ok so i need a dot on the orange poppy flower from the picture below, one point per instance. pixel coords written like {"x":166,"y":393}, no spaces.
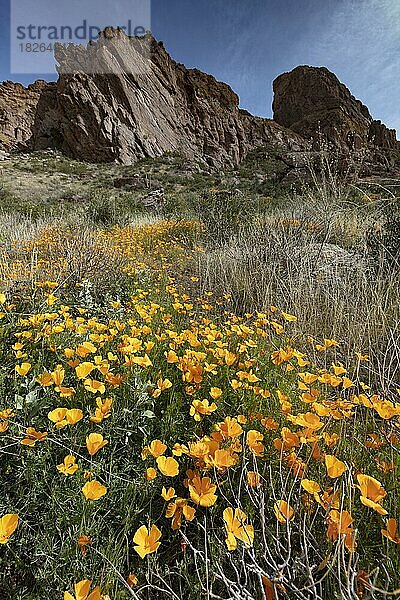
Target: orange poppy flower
{"x":391,"y":531}
{"x":32,"y":436}
{"x":202,"y":491}
{"x":178,"y":509}
{"x":372,"y":493}
{"x":93,"y":490}
{"x":81,"y":590}
{"x":236,"y":528}
{"x":8,"y":524}
{"x":147,"y":541}
{"x":334,"y":466}
{"x":94,"y":442}
{"x":283,"y":511}
{"x":168,"y":466}
{"x":68,"y":466}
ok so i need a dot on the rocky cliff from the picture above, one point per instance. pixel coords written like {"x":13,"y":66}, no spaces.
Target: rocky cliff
{"x":17,"y":112}
{"x":145,"y":109}
{"x":313,"y":102}
{"x":145,"y":104}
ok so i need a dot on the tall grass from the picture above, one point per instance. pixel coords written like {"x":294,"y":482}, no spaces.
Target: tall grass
{"x":312,"y":257}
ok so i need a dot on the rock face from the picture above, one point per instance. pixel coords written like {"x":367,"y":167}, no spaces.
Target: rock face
{"x":145,"y":104}
{"x":312,"y":102}
{"x":17,"y":112}
{"x":125,"y":116}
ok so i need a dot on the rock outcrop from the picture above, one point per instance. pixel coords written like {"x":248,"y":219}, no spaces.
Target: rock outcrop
{"x":17,"y":112}
{"x":312,"y":102}
{"x":145,"y":109}
{"x":122,"y":99}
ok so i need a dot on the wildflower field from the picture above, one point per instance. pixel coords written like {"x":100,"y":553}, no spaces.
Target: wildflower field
{"x":156,"y":442}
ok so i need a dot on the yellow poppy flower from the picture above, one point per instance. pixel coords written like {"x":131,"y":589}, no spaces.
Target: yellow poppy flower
{"x":253,"y":479}
{"x":224,"y":458}
{"x":68,"y":466}
{"x":168,"y":466}
{"x":84,"y":369}
{"x":312,"y":487}
{"x":62,"y":417}
{"x":156,"y":449}
{"x":103,"y":410}
{"x":81,"y":590}
{"x":283,"y":511}
{"x":391,"y":531}
{"x":254,"y":441}
{"x":178,"y":509}
{"x":168,"y":494}
{"x":372,"y":493}
{"x":202,"y":491}
{"x":94,"y":386}
{"x":201,"y":408}
{"x":32,"y":436}
{"x":8,"y":524}
{"x":215,"y":393}
{"x":162,"y":385}
{"x":236,"y":529}
{"x":23,"y":369}
{"x":339,"y":524}
{"x":45,"y":379}
{"x":94,"y":443}
{"x":141,"y":361}
{"x":73,"y":416}
{"x":86,"y":348}
{"x":150,"y":474}
{"x":147,"y":542}
{"x":93,"y":490}
{"x":230,"y":428}
{"x":334,"y":466}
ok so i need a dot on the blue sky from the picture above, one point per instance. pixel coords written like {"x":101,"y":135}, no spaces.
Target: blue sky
{"x":247,"y":44}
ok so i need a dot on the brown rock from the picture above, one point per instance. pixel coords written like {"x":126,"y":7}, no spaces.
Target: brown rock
{"x":313,"y":102}
{"x":146,"y":109}
{"x":17,"y":111}
{"x":144,"y":104}
{"x":382,"y":137}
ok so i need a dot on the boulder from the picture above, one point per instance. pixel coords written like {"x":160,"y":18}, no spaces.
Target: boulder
{"x":155,"y":199}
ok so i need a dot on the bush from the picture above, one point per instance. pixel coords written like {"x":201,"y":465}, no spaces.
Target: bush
{"x":383,"y":242}
{"x":223,"y":213}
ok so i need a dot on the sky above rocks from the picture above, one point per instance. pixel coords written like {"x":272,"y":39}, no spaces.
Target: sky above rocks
{"x":247,"y":44}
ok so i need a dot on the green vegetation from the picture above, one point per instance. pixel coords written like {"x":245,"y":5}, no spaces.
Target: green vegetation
{"x":200,"y":398}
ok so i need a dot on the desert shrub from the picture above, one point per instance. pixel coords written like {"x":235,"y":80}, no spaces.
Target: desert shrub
{"x":223,"y":214}
{"x":102,"y":208}
{"x":383,"y":241}
{"x":313,"y":262}
{"x":51,"y":163}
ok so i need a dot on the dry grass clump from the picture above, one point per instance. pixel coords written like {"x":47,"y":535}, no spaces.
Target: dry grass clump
{"x":312,"y":258}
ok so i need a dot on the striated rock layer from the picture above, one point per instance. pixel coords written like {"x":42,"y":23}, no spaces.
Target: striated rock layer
{"x":145,"y":109}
